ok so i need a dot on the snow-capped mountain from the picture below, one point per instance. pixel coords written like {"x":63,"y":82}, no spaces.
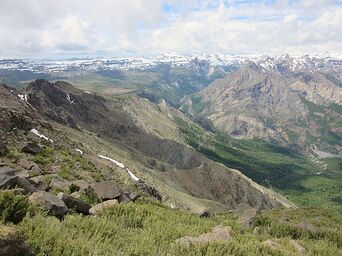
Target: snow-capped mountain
{"x":282,"y":63}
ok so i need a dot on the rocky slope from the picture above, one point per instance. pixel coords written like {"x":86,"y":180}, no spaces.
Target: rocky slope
{"x":289,"y":107}
{"x":89,"y":130}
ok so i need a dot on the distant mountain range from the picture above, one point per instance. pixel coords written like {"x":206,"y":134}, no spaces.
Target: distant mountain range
{"x":281,"y":63}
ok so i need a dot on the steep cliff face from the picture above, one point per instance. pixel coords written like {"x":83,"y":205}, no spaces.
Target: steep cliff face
{"x":183,"y":176}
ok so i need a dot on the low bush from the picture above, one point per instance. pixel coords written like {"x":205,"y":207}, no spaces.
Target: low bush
{"x":13,"y":207}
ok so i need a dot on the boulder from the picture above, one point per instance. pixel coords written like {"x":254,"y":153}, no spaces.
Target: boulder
{"x":132,"y":196}
{"x":74,"y":203}
{"x":31,"y":148}
{"x":39,"y":183}
{"x":246,"y":214}
{"x":82,"y":184}
{"x":11,"y":243}
{"x":58,"y":182}
{"x":2,"y":148}
{"x":218,"y":233}
{"x":106,"y":190}
{"x":76,"y":194}
{"x":123,"y":198}
{"x":32,"y":168}
{"x":54,"y":205}
{"x":100,"y":207}
{"x":8,"y":179}
{"x":26,"y":185}
{"x":23,"y":173}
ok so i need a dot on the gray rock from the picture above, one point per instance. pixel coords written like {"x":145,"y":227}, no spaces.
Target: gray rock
{"x":133,"y":196}
{"x":82,"y":184}
{"x":74,"y":203}
{"x":106,"y":190}
{"x":58,"y":182}
{"x":246,"y":214}
{"x":219,"y":233}
{"x":26,"y":185}
{"x":76,"y":194}
{"x":8,"y":179}
{"x":31,"y":148}
{"x":123,"y":198}
{"x":54,"y":205}
{"x":39,"y":183}
{"x":32,"y":167}
{"x":100,"y":207}
{"x":23,"y":173}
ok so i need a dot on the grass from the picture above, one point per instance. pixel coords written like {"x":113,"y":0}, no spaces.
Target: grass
{"x":70,"y":164}
{"x":45,"y":157}
{"x":271,"y":165}
{"x":148,"y":228}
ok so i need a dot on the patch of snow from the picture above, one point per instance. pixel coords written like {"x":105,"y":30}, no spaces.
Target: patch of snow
{"x":34,"y":131}
{"x":69,"y":99}
{"x":22,"y":96}
{"x":87,"y":92}
{"x":121,"y":165}
{"x":79,"y":151}
{"x":132,"y":175}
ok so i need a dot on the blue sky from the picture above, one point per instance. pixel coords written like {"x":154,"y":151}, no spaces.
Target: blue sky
{"x":43,"y":28}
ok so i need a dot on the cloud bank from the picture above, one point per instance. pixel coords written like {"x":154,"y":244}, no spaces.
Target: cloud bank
{"x":44,"y":28}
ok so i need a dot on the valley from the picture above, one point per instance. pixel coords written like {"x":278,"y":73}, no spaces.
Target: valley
{"x":171,"y":128}
{"x":266,"y":151}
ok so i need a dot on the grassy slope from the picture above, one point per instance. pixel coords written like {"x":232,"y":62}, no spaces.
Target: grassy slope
{"x":147,"y":228}
{"x":272,"y":166}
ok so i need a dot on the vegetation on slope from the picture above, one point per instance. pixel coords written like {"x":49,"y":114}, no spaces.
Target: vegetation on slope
{"x":148,"y":228}
{"x":282,"y":169}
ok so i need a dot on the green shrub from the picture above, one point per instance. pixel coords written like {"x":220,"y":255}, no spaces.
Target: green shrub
{"x":13,"y":208}
{"x":44,"y":157}
{"x":149,"y":228}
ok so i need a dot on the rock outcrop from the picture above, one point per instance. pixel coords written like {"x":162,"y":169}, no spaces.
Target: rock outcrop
{"x":31,"y":148}
{"x":100,"y":207}
{"x":219,"y":233}
{"x":106,"y":190}
{"x":8,"y":179}
{"x":52,"y":204}
{"x":74,"y":203}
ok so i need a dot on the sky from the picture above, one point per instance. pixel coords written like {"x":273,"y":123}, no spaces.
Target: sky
{"x":45,"y":28}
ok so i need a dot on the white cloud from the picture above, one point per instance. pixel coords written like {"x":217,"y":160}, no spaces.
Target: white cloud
{"x":117,"y":27}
